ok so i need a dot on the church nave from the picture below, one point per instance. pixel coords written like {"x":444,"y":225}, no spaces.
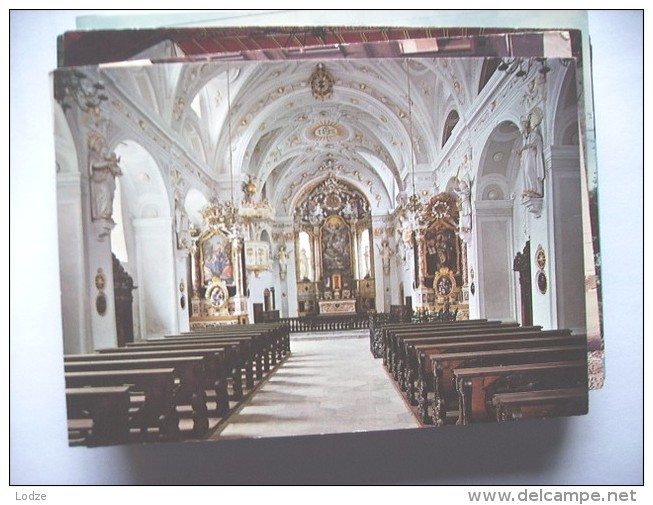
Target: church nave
{"x":330,"y":383}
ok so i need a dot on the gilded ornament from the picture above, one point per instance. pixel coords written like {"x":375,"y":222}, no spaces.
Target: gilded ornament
{"x":321,"y":83}
{"x":100,"y":280}
{"x":540,"y":257}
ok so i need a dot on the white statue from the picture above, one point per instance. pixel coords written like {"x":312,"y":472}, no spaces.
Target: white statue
{"x":385,"y":256}
{"x":532,"y":155}
{"x":303,"y":264}
{"x":464,"y":196}
{"x":348,"y":211}
{"x":316,"y":214}
{"x":104,"y":170}
{"x":282,"y":255}
{"x":366,"y":259}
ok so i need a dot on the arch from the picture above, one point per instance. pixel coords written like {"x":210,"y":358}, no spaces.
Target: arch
{"x":498,"y":159}
{"x":194,"y":202}
{"x":494,"y":223}
{"x":144,"y":190}
{"x":148,"y":230}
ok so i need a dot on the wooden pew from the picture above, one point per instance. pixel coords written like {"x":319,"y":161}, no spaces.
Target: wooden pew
{"x":403,"y":343}
{"x":239,"y":360}
{"x":378,"y":327}
{"x":219,"y":361}
{"x":389,"y":331}
{"x":476,"y":385}
{"x":394,"y":337}
{"x":408,"y":366}
{"x":444,"y":364}
{"x":269,"y":343}
{"x":99,"y":414}
{"x":157,"y":385}
{"x":276,"y":336}
{"x":540,"y":404}
{"x":189,"y":376}
{"x":420,"y":378}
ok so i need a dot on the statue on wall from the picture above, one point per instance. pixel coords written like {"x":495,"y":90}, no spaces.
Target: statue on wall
{"x":104,"y":170}
{"x":532,"y":155}
{"x":304,"y":267}
{"x":282,"y":256}
{"x":182,"y":224}
{"x":464,"y":192}
{"x":385,"y":256}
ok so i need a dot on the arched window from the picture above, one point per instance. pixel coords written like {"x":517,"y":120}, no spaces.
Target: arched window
{"x":489,"y":67}
{"x":449,"y":125}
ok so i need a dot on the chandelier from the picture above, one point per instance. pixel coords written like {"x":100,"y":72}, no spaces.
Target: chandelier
{"x":72,"y":87}
{"x":223,"y":216}
{"x":413,"y":205}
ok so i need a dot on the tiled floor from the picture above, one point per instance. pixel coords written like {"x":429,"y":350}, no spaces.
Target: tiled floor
{"x":329,"y":384}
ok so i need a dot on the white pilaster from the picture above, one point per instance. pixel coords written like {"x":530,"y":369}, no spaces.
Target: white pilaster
{"x":73,"y":264}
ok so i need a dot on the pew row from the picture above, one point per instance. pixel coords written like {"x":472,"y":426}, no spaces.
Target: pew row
{"x":189,"y":376}
{"x":173,"y":380}
{"x":152,"y":406}
{"x":422,"y":360}
{"x":444,"y":365}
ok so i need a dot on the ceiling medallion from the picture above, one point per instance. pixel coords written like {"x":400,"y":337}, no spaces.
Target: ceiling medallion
{"x":321,"y":83}
{"x":327,"y":131}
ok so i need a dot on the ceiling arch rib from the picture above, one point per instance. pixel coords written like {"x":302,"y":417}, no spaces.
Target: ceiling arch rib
{"x":368,"y":112}
{"x":368,"y":127}
{"x":344,"y":137}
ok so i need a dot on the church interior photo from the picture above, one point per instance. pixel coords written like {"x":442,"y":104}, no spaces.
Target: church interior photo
{"x":232,"y":202}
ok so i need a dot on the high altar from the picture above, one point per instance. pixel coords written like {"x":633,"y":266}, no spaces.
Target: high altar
{"x":335,"y":272}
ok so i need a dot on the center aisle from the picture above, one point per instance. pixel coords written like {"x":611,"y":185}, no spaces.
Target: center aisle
{"x":329,"y":384}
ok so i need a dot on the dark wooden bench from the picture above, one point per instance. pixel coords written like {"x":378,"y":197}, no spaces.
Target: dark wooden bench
{"x":385,"y":332}
{"x":98,"y":415}
{"x":241,"y":359}
{"x":394,"y":337}
{"x":269,"y":343}
{"x":410,"y":361}
{"x":189,"y":374}
{"x":156,"y":385}
{"x":444,"y":364}
{"x":419,"y":377}
{"x":476,"y":386}
{"x":220,"y":361}
{"x":399,"y":360}
{"x":274,"y":336}
{"x":540,"y":404}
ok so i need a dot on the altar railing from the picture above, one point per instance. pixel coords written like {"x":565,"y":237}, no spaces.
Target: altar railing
{"x":327,"y":323}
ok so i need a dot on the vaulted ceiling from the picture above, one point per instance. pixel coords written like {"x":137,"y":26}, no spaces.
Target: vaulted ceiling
{"x":260,"y":119}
